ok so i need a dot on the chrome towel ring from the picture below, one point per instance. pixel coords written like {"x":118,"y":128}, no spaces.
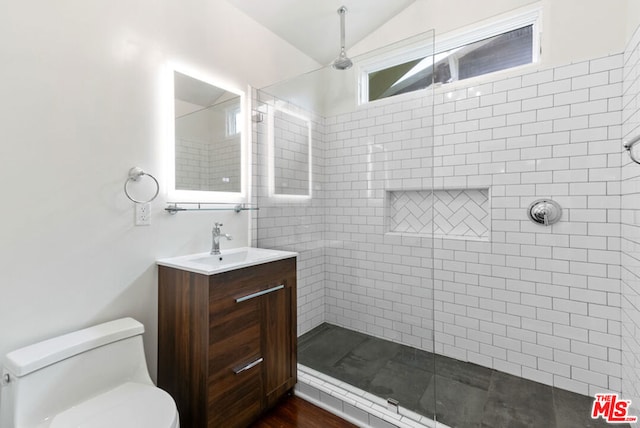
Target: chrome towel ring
{"x":629,"y":146}
{"x":135,"y":174}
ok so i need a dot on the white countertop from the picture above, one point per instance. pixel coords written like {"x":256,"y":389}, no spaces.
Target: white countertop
{"x":236,"y":258}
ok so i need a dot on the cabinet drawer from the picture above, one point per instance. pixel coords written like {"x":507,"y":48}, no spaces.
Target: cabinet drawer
{"x":234,"y":287}
{"x":241,"y":402}
{"x":235,"y":336}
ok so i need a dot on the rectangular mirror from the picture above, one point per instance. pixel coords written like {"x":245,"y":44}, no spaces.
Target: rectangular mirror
{"x":290,"y":154}
{"x":208,"y":153}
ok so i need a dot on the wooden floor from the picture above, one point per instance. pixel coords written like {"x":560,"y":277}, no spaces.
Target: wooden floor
{"x":294,"y":412}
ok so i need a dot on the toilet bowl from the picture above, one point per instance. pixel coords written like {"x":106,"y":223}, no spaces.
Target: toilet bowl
{"x":92,"y":378}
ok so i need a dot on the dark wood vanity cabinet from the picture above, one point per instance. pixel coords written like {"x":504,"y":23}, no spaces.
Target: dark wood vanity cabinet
{"x":227,"y":342}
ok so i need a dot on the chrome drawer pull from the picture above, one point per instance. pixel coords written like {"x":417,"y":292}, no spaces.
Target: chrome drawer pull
{"x":259,"y":293}
{"x":248,"y":366}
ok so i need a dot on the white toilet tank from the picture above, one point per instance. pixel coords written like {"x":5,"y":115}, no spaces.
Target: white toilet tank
{"x":51,"y":380}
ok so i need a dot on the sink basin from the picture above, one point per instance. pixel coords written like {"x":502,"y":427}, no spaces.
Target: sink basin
{"x":237,"y":258}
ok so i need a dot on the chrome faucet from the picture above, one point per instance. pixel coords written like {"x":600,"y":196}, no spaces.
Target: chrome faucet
{"x":215,"y":234}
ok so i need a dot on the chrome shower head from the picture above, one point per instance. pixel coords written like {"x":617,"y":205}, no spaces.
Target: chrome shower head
{"x":342,"y":62}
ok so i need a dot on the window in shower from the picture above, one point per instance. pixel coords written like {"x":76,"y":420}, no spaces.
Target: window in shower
{"x":492,"y":47}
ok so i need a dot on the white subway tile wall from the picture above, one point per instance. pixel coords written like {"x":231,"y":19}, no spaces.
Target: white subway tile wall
{"x":538,"y":285}
{"x":378,"y":282}
{"x":630,"y":229}
{"x":534,"y":301}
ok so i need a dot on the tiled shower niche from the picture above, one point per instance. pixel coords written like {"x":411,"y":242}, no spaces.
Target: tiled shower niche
{"x":442,"y":213}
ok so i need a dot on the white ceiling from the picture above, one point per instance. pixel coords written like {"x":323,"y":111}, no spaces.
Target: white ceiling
{"x":313,"y":26}
{"x":194,"y":91}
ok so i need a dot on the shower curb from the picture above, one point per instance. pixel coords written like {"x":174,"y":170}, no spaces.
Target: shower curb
{"x":355,"y":405}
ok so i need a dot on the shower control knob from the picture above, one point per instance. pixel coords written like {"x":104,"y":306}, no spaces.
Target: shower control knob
{"x":544,"y":211}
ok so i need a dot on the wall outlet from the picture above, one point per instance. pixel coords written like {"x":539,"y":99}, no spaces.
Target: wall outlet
{"x":143,"y":214}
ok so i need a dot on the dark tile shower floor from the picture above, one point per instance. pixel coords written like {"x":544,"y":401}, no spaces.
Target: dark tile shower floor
{"x":468,"y":395}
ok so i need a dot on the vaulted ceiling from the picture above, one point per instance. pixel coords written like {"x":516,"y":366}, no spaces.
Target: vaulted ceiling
{"x":313,"y":26}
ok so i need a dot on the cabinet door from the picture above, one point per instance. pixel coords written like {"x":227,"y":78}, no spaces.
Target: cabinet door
{"x":183,"y":323}
{"x":252,"y":341}
{"x":279,"y":334}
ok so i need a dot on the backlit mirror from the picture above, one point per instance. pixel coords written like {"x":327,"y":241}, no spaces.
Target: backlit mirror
{"x":290,"y":154}
{"x":208,"y":146}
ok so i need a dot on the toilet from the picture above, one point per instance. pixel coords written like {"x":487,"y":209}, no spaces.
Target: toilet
{"x":91,"y":378}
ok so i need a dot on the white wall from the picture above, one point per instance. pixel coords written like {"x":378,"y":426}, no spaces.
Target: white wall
{"x":573,"y":30}
{"x":82,"y":103}
{"x":633,"y":17}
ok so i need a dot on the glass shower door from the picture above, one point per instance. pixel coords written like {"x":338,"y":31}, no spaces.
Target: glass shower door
{"x":359,"y":213}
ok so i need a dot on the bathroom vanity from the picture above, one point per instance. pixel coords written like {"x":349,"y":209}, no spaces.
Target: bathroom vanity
{"x":227,"y":334}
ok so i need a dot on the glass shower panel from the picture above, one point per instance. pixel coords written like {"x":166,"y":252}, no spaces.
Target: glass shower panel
{"x":364,"y":231}
{"x":524,"y":308}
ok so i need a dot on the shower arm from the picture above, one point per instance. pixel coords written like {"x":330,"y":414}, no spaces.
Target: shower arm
{"x":342,"y":11}
{"x":342,"y":62}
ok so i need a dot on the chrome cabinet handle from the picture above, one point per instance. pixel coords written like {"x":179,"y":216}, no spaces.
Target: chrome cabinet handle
{"x":248,"y":366}
{"x":259,"y":293}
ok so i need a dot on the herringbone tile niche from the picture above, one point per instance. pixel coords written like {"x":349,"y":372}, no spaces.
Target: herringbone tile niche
{"x":451,"y":213}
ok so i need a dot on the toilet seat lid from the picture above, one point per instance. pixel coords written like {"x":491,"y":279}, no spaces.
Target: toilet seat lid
{"x":130,"y":405}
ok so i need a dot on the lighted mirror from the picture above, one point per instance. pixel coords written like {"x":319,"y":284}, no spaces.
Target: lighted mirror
{"x":208,"y":150}
{"x":290,"y":155}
